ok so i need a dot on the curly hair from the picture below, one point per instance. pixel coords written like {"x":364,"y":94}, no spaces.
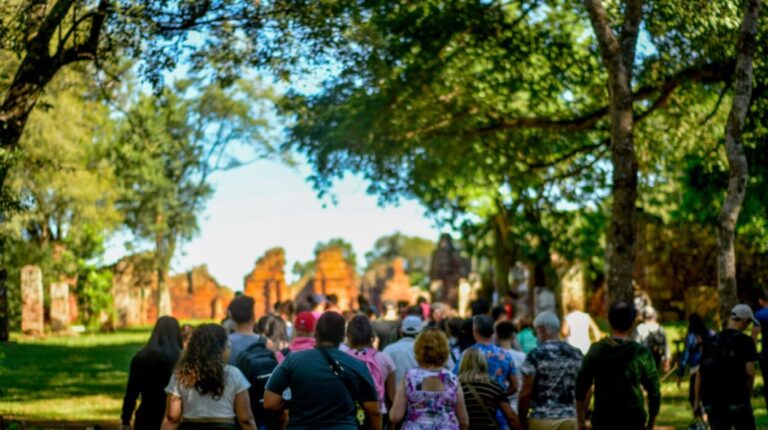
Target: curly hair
{"x":202,"y":365}
{"x":431,"y":348}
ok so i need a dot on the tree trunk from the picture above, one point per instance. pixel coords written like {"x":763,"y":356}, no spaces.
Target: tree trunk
{"x":618,"y":55}
{"x":163,"y":257}
{"x":501,"y":257}
{"x":4,"y":317}
{"x":737,"y":161}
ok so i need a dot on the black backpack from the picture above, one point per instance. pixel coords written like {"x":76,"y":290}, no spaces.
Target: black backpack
{"x":719,"y":368}
{"x":657,"y":343}
{"x":257,"y":362}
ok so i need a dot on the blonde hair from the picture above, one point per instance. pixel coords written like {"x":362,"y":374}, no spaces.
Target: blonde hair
{"x":473,"y":366}
{"x":431,"y":348}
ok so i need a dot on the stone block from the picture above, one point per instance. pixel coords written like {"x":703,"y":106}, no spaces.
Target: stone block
{"x":60,"y":313}
{"x":32,"y":316}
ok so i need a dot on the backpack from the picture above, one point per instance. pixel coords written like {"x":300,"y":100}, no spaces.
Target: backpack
{"x":656,"y":341}
{"x":257,"y":363}
{"x":369,"y":358}
{"x":718,"y":368}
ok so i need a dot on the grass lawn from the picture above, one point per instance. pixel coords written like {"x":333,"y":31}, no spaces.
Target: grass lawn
{"x":82,"y":378}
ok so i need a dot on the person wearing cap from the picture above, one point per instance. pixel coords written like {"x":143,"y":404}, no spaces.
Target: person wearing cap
{"x":303,"y":339}
{"x":402,"y":351}
{"x":727,"y":374}
{"x":549,"y":379}
{"x":618,"y":367}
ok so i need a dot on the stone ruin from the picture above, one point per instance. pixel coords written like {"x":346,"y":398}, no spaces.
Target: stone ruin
{"x":266,"y":283}
{"x":32,"y":312}
{"x":387,"y":282}
{"x":448,"y":268}
{"x":333,"y":275}
{"x":197,"y":295}
{"x":60,"y":314}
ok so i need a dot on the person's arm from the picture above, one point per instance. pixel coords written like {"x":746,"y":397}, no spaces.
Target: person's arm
{"x":461,"y":409}
{"x":273,"y":401}
{"x":173,"y":410}
{"x":565,"y":329}
{"x":372,"y":415}
{"x":584,"y":381}
{"x":243,"y":411}
{"x":524,"y":401}
{"x":390,"y":388}
{"x":750,"y":367}
{"x":398,"y":406}
{"x":131,"y":394}
{"x":512,"y":419}
{"x":650,"y":383}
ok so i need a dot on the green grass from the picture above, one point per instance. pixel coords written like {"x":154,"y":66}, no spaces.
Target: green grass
{"x":82,"y":378}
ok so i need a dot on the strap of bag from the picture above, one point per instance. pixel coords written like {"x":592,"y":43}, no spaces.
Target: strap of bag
{"x":489,"y":415}
{"x":338,"y":371}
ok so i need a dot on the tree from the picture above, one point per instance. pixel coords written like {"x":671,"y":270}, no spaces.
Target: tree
{"x":347,"y":250}
{"x":618,"y":55}
{"x":737,"y":161}
{"x":416,"y":251}
{"x":168,"y":147}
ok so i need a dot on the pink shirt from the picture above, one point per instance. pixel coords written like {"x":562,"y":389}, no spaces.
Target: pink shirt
{"x":297,"y":344}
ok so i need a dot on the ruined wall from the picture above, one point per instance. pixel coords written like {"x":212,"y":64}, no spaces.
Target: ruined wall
{"x":266,"y":283}
{"x":197,"y":295}
{"x":333,"y":275}
{"x":387,"y":282}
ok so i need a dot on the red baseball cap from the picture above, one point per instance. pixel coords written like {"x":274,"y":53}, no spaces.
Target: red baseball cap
{"x":305,"y":321}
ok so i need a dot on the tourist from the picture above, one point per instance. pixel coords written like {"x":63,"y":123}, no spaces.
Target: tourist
{"x":579,"y":329}
{"x":386,"y":328}
{"x":697,"y":335}
{"x":618,"y":367}
{"x":526,"y":336}
{"x":324,"y":384}
{"x":651,"y":334}
{"x":402,"y":352}
{"x":274,"y":328}
{"x":762,"y":317}
{"x":453,"y":331}
{"x":150,"y":371}
{"x":501,"y":366}
{"x":482,"y":395}
{"x":505,"y":339}
{"x":304,"y":339}
{"x":241,"y":311}
{"x":360,"y":345}
{"x":332,"y":304}
{"x":425,"y":308}
{"x":429,"y":397}
{"x":498,"y":314}
{"x":549,"y":379}
{"x":436,"y":315}
{"x":204,"y":391}
{"x":286,"y":312}
{"x":317,"y":305}
{"x":727,"y":374}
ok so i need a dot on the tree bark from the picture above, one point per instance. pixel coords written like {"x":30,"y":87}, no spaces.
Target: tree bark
{"x":501,"y":257}
{"x":4,"y":317}
{"x":618,"y":55}
{"x":737,"y":160}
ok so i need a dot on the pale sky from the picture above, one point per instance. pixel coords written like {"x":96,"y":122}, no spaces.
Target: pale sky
{"x":267,"y":204}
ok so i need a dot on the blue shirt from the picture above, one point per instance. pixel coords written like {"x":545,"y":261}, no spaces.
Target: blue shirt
{"x":500,"y":364}
{"x":762,"y":317}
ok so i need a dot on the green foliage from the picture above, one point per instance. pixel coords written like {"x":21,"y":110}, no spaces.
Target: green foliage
{"x":347,"y":250}
{"x":94,"y":294}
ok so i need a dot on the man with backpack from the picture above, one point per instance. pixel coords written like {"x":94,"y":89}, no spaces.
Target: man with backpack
{"x":618,"y":367}
{"x":252,"y":355}
{"x":727,"y":374}
{"x":651,"y":334}
{"x":329,"y":389}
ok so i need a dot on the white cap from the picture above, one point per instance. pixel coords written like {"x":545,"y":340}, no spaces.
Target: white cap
{"x":743,"y":312}
{"x":411,"y":325}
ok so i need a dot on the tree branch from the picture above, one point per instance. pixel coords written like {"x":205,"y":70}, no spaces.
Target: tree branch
{"x":606,"y":40}
{"x":629,"y":30}
{"x":87,"y":50}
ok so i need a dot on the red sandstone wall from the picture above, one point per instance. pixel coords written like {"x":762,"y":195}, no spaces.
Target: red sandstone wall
{"x":266,"y":283}
{"x":333,"y":275}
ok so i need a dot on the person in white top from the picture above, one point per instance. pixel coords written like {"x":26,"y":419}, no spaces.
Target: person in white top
{"x":204,"y":390}
{"x":579,"y":329}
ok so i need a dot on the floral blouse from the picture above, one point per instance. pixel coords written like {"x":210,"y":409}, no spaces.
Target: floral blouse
{"x":430,"y":410}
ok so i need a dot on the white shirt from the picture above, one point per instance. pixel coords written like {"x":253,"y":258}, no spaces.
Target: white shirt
{"x":196,"y":405}
{"x":578,"y":325}
{"x":402,"y":353}
{"x":518,"y":358}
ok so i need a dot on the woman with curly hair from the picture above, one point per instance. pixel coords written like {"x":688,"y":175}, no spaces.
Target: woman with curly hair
{"x":429,"y":397}
{"x":204,"y":391}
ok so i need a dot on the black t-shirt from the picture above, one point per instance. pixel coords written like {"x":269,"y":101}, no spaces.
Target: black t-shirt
{"x":492,"y":394}
{"x":724,"y":379}
{"x":319,"y":398}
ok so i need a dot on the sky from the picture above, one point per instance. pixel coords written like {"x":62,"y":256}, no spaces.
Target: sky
{"x":268,"y":204}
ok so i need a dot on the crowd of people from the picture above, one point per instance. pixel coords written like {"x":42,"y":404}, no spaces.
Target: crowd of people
{"x":312,"y":366}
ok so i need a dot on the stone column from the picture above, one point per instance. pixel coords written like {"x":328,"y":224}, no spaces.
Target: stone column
{"x":31,"y":300}
{"x":59,"y":306}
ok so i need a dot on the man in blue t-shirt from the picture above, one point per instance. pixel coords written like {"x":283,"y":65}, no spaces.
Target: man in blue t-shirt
{"x":762,"y":318}
{"x":319,"y":397}
{"x":501,"y":367}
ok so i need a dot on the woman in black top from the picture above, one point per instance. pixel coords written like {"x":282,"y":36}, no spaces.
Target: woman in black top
{"x":482,"y":395}
{"x":150,"y":372}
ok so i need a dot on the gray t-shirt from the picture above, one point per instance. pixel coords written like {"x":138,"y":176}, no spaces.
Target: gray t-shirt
{"x":196,"y":405}
{"x":240,"y":342}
